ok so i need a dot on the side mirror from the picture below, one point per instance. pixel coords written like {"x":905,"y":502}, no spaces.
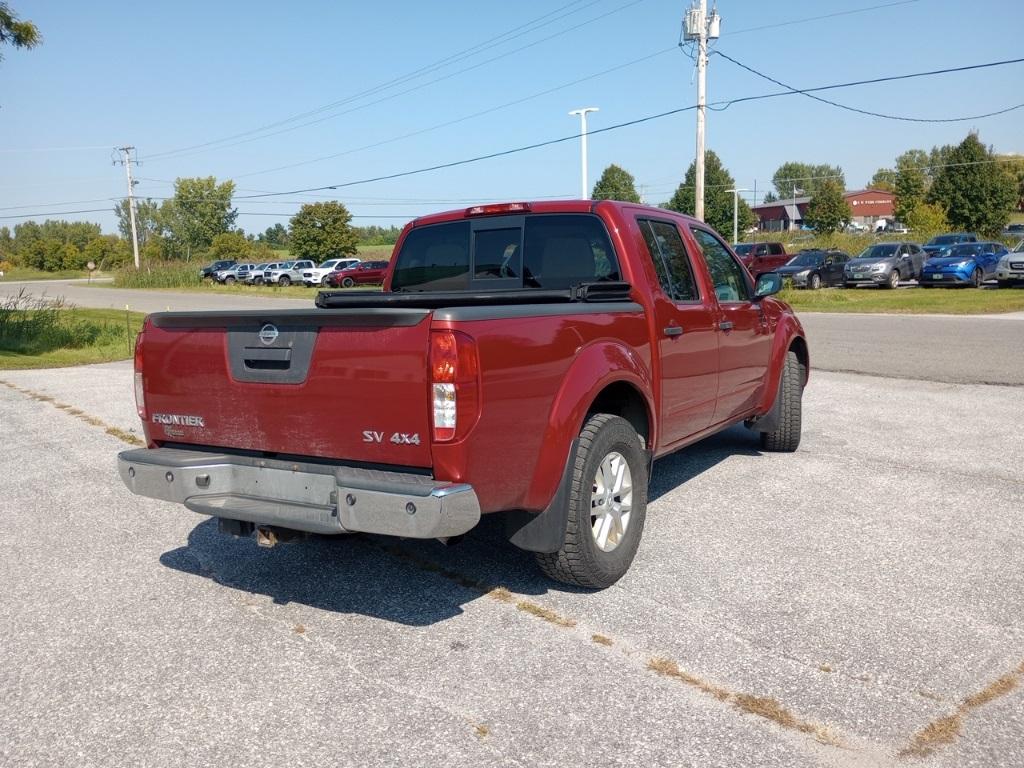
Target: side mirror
{"x":768,"y":284}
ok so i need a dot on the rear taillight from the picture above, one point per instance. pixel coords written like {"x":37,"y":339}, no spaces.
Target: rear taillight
{"x":454,"y":384}
{"x":140,"y":392}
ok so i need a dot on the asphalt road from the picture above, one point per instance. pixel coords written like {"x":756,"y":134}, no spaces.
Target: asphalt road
{"x":813,"y":609}
{"x":948,"y":348}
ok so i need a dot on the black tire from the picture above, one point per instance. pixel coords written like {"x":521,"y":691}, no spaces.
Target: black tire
{"x":791,"y":391}
{"x":323,"y":281}
{"x":284,"y":281}
{"x":580,"y":561}
{"x":976,"y":277}
{"x":814,"y":282}
{"x":347,"y":282}
{"x":258,"y":281}
{"x":229,"y":279}
{"x":893,"y":281}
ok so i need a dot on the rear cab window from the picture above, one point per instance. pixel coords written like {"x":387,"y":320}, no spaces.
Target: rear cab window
{"x":544,"y":251}
{"x":671,"y":262}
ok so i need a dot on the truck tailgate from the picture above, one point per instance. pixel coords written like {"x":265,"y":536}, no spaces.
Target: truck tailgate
{"x":337,"y":384}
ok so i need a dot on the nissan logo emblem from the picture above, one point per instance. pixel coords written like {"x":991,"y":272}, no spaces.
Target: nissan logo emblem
{"x":268,"y":334}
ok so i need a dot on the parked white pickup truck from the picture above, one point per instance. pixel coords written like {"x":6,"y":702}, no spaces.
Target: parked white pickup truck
{"x":287,"y":272}
{"x":318,"y":275}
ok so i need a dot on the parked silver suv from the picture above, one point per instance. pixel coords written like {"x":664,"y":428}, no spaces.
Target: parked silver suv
{"x":287,"y":272}
{"x":884,"y":265}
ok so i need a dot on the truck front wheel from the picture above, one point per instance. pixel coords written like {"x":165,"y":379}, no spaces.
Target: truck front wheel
{"x":607,"y":506}
{"x":789,"y":404}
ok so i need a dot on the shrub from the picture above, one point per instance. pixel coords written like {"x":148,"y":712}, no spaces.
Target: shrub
{"x":32,"y":325}
{"x":167,"y":274}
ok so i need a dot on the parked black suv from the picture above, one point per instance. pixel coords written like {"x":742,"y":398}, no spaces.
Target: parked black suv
{"x":209,"y":270}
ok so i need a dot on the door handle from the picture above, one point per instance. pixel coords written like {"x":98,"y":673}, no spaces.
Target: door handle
{"x":673,"y":330}
{"x":725,"y":325}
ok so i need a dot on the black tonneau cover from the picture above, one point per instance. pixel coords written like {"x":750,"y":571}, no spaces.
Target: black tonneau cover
{"x":585,"y":292}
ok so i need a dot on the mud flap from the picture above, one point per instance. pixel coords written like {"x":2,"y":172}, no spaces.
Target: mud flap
{"x":770,"y":421}
{"x":544,"y":532}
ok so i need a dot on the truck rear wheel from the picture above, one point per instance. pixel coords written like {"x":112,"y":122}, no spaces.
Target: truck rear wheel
{"x":284,"y":281}
{"x":607,"y":506}
{"x":786,"y":436}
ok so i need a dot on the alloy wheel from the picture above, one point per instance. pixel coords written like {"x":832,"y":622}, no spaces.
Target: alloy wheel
{"x":611,"y":501}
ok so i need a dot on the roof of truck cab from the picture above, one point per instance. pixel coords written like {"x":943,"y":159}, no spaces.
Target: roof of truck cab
{"x":545,"y":206}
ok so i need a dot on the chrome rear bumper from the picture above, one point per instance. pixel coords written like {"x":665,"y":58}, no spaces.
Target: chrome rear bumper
{"x":303,"y":496}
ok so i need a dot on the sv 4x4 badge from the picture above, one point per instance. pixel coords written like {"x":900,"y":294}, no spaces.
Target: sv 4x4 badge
{"x":398,"y":438}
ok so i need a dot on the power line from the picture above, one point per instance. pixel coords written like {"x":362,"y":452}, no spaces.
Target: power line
{"x":458,"y":120}
{"x":53,"y":149}
{"x":794,"y":22}
{"x":54,"y":213}
{"x":394,"y":81}
{"x":199,"y":147}
{"x":628,"y":123}
{"x":865,"y":111}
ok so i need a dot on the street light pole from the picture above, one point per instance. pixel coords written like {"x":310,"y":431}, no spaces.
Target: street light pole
{"x":584,"y":193}
{"x":735,"y":212}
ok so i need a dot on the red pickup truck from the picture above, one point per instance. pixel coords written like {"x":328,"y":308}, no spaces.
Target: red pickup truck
{"x":530,"y":359}
{"x":762,"y":257}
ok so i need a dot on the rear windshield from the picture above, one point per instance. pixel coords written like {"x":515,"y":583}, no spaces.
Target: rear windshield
{"x":743,"y":249}
{"x":944,"y":239}
{"x":550,"y":251}
{"x":879,"y":251}
{"x":807,"y":259}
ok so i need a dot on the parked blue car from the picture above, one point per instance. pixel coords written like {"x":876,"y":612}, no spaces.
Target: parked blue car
{"x":963,"y":264}
{"x":940,"y":243}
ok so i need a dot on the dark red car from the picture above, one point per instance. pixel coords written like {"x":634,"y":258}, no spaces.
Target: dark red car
{"x":359,"y":274}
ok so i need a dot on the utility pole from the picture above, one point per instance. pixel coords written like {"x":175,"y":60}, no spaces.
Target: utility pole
{"x":584,"y":191}
{"x":124,"y":156}
{"x":700,"y":27}
{"x":735,"y":212}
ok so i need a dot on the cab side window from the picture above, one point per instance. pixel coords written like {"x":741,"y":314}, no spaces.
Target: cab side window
{"x":727,"y":275}
{"x":671,"y":261}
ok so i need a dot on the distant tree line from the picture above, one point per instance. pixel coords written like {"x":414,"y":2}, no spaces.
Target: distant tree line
{"x":196,"y":223}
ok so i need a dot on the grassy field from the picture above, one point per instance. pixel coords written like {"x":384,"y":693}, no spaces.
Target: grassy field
{"x":24,"y":273}
{"x":32,"y":336}
{"x":920,"y":301}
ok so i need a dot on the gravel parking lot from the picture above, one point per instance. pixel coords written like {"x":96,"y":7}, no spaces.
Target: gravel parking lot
{"x":856,"y":603}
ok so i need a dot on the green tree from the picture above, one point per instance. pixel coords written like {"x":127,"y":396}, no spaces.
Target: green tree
{"x":147,"y":220}
{"x":322,"y":231}
{"x":885,"y":179}
{"x":71,"y":257}
{"x":616,"y":183}
{"x":770,"y":197}
{"x":1015,"y":165}
{"x":911,"y":183}
{"x":717,"y":197}
{"x":230,"y":245}
{"x":199,"y":211}
{"x":806,"y":178}
{"x":13,"y":31}
{"x":827,"y":210}
{"x":78,"y":233}
{"x":926,"y":219}
{"x":275,"y":236}
{"x":107,"y":252}
{"x":976,"y":193}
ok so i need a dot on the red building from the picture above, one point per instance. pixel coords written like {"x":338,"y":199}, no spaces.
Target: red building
{"x":866,"y":207}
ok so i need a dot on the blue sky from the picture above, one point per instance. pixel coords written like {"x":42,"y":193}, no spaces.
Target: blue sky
{"x":168,"y":76}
